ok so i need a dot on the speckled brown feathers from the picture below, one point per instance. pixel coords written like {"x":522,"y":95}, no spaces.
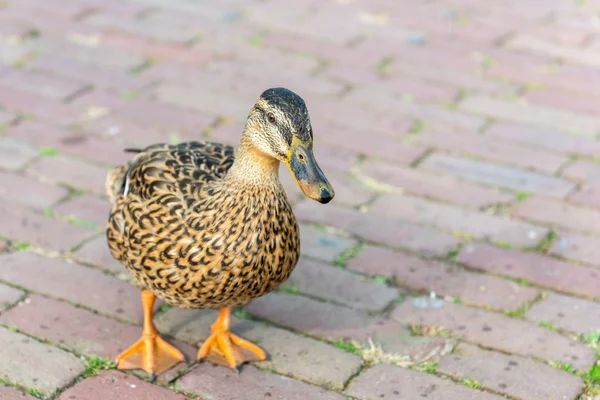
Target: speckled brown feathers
{"x":196,"y":233}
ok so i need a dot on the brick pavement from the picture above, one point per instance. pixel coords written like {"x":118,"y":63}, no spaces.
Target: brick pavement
{"x":459,"y":260}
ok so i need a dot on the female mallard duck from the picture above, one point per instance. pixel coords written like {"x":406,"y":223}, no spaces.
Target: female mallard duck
{"x":202,"y":226}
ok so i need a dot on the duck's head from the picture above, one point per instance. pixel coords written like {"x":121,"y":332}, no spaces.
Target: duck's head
{"x":279,"y":126}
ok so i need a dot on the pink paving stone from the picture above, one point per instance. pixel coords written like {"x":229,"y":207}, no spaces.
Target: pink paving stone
{"x":479,"y":225}
{"x":392,"y":382}
{"x":96,"y":253}
{"x":47,"y":109}
{"x":444,"y":279}
{"x":489,"y":148}
{"x":80,"y":330}
{"x":547,"y":138}
{"x":494,"y":331}
{"x":23,"y":225}
{"x":348,"y":190}
{"x":67,"y":171}
{"x":560,"y":214}
{"x":537,"y":269}
{"x":221,"y":383}
{"x":15,"y":154}
{"x":9,"y":296}
{"x":76,"y":283}
{"x":323,"y":245}
{"x":87,"y":209}
{"x":588,"y":195}
{"x":568,"y":313}
{"x":577,"y":247}
{"x":8,"y":393}
{"x":431,"y":185}
{"x":117,"y":385}
{"x":327,"y":282}
{"x":56,"y":88}
{"x":583,"y":171}
{"x":15,"y":188}
{"x":515,"y":376}
{"x":312,"y":317}
{"x":378,"y":228}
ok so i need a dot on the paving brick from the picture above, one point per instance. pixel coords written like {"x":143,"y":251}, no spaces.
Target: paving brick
{"x":563,"y":99}
{"x":8,"y":393}
{"x":90,"y":73}
{"x":577,"y":247}
{"x":76,"y":283}
{"x":377,"y":228}
{"x":288,"y":353}
{"x":7,"y":118}
{"x":539,"y":46}
{"x":499,"y":175}
{"x":323,"y":245}
{"x":423,"y":183}
{"x":443,"y":279}
{"x":537,"y":269}
{"x":15,"y":154}
{"x":588,"y":195}
{"x":29,"y":192}
{"x":327,"y":282}
{"x":583,"y":171}
{"x":495,"y":331}
{"x":405,"y":88}
{"x":86,"y":209}
{"x":491,"y":149}
{"x":51,"y":87}
{"x":390,"y":381}
{"x":70,"y":172}
{"x":23,"y":225}
{"x":544,"y":117}
{"x":114,"y":384}
{"x":36,"y":365}
{"x":515,"y":376}
{"x":69,"y":142}
{"x":548,"y":138}
{"x":95,"y":252}
{"x":477,"y":224}
{"x":38,"y":106}
{"x":8,"y":296}
{"x":568,"y":313}
{"x":348,"y":190}
{"x":221,"y":383}
{"x":558,"y":213}
{"x":311,"y":316}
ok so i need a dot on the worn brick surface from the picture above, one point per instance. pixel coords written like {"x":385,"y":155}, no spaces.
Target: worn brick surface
{"x":378,"y":228}
{"x":559,"y":214}
{"x":221,"y":383}
{"x":113,"y":384}
{"x":494,"y":331}
{"x":330,"y":283}
{"x":36,"y":365}
{"x":76,"y":283}
{"x":18,"y":189}
{"x":288,"y":353}
{"x":583,"y":171}
{"x":507,"y":177}
{"x":96,"y":253}
{"x":323,"y":245}
{"x":443,"y":279}
{"x":540,"y":270}
{"x":476,"y":224}
{"x":577,"y":247}
{"x":515,"y":376}
{"x":390,"y":381}
{"x":9,"y":393}
{"x":15,"y":154}
{"x":568,"y":313}
{"x":312,"y":316}
{"x":9,"y":296}
{"x":437,"y":186}
{"x":85,"y":209}
{"x":23,"y":225}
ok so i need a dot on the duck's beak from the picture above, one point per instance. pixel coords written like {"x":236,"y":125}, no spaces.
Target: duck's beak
{"x":307,"y":173}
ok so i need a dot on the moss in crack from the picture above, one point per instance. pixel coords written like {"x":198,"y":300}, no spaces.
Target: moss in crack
{"x":95,"y":364}
{"x":341,"y":260}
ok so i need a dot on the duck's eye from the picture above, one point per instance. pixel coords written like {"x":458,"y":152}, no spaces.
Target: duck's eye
{"x":271,"y":118}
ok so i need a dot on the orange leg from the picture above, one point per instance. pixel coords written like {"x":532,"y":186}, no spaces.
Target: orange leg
{"x":151,"y":353}
{"x":235,"y":349}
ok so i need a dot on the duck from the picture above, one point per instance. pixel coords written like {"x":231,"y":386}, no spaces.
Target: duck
{"x":205,"y":225}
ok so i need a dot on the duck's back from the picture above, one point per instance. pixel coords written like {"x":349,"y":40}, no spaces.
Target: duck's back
{"x":192,"y":240}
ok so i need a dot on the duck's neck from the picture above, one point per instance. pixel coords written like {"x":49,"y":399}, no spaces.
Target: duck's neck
{"x":252,"y":166}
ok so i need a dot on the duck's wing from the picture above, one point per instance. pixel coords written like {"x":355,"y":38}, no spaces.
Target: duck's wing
{"x":151,"y":198}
